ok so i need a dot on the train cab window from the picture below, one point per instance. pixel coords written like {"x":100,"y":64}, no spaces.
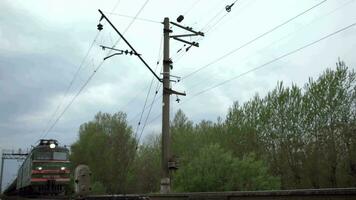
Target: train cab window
{"x":43,"y":155}
{"x":60,"y":156}
{"x":51,"y":156}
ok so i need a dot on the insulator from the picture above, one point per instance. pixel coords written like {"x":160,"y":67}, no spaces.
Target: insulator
{"x":100,"y":27}
{"x":180,"y":18}
{"x":228,"y":8}
{"x":187,"y":49}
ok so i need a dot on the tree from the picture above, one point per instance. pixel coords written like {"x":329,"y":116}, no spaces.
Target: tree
{"x":214,"y":169}
{"x":106,"y":144}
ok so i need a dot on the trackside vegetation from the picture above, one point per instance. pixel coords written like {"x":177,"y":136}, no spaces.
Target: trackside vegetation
{"x":294,"y":137}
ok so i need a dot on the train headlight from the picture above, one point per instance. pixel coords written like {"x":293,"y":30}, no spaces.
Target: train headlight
{"x":63,"y":168}
{"x":39,"y":168}
{"x":52,"y":146}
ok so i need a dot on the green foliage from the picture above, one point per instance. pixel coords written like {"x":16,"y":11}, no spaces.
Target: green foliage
{"x":214,"y":169}
{"x":292,"y":138}
{"x":106,"y":144}
{"x":98,"y":188}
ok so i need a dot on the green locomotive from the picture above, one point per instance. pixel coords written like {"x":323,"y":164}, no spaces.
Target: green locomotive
{"x":45,"y":171}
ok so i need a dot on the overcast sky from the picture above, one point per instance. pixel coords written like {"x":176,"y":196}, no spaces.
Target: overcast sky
{"x":42,"y":44}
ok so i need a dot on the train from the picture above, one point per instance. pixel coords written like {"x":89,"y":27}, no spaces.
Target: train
{"x":46,"y":171}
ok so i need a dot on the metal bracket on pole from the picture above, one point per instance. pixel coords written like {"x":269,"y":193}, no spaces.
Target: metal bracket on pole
{"x":192,"y":34}
{"x":170,"y":91}
{"x":184,"y":41}
{"x":120,"y":52}
{"x":128,"y":44}
{"x":188,"y":29}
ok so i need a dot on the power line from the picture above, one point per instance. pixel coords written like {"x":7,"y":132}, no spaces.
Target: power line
{"x":263,"y":65}
{"x":149,"y":91}
{"x":272,"y":61}
{"x":253,"y":40}
{"x":132,"y":21}
{"x":132,"y":17}
{"x":92,"y":75}
{"x":70,"y":84}
{"x":157,"y":63}
{"x":191,"y":7}
{"x":144,"y":106}
{"x":206,"y":29}
{"x":149,"y":111}
{"x":75,"y":76}
{"x":116,"y":5}
{"x":287,"y":35}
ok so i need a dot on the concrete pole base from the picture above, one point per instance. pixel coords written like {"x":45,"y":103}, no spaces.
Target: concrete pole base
{"x":165,"y":185}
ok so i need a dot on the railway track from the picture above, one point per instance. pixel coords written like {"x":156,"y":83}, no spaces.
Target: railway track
{"x":307,"y":194}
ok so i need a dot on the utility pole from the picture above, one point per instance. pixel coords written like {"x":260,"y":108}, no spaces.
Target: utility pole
{"x":167,"y":162}
{"x":165,"y":180}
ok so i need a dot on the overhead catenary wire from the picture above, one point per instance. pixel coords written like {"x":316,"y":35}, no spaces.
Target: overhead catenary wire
{"x":44,"y":132}
{"x":286,"y":36}
{"x":92,"y":75}
{"x":253,"y":40}
{"x":272,"y":61}
{"x":191,"y":7}
{"x":132,"y":17}
{"x":206,"y":29}
{"x":148,"y":93}
{"x":263,"y":65}
{"x":149,"y":111}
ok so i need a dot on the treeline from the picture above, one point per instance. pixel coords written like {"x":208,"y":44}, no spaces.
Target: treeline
{"x":291,"y":138}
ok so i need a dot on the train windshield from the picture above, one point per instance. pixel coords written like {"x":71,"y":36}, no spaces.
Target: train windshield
{"x":60,"y":156}
{"x":51,"y":155}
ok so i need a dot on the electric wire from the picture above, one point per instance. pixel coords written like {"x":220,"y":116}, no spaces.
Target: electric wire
{"x":45,"y":131}
{"x":180,"y":52}
{"x":206,"y":29}
{"x":149,"y":111}
{"x":148,"y":93}
{"x":272,"y":61}
{"x":191,"y":7}
{"x":92,"y":75}
{"x":144,"y":105}
{"x":263,"y":65}
{"x":287,"y":35}
{"x":253,"y":40}
{"x":116,"y":5}
{"x":132,"y":17}
{"x":75,"y":76}
{"x":139,"y":92}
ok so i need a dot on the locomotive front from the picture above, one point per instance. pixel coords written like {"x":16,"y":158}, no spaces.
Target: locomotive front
{"x":48,"y":170}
